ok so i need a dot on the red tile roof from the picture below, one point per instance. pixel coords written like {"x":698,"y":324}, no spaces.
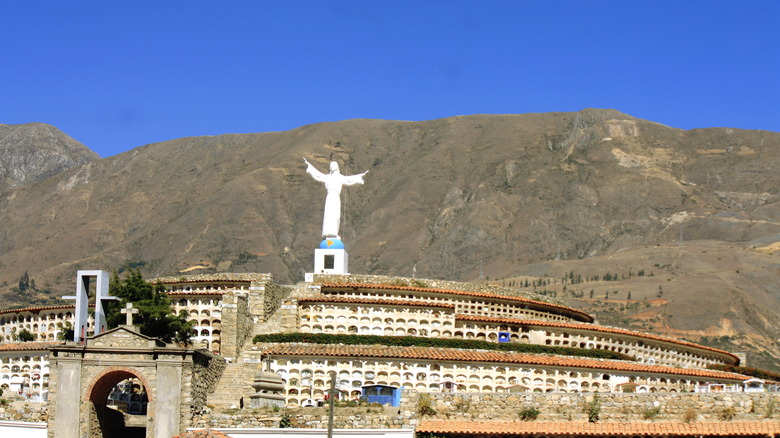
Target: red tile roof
{"x":202,"y":433}
{"x":196,"y":292}
{"x":38,"y":309}
{"x":374,"y":301}
{"x":575,"y":429}
{"x":582,"y":315}
{"x":28,"y":346}
{"x":452,"y":354}
{"x":593,"y":328}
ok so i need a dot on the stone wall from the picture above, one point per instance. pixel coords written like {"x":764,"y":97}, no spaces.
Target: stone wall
{"x":244,"y":321}
{"x":274,"y":294}
{"x":24,"y":411}
{"x":672,"y":407}
{"x":370,"y":417}
{"x":237,"y":323}
{"x":207,"y":368}
{"x":666,"y":407}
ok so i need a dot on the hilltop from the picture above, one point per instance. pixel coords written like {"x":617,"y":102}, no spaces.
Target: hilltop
{"x":495,"y":196}
{"x":35,"y":151}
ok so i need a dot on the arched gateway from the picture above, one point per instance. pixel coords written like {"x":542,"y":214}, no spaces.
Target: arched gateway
{"x":123,"y":384}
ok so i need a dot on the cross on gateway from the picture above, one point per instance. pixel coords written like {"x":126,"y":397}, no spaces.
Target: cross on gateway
{"x":129,"y":311}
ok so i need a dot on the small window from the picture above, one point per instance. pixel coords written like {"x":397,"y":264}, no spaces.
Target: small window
{"x":330,"y":261}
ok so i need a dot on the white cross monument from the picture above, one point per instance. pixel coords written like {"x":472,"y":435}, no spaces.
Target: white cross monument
{"x":129,"y":311}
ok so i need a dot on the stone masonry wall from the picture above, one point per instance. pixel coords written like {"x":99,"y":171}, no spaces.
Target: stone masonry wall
{"x":371,"y":417}
{"x":244,"y":321}
{"x":673,"y":407}
{"x":684,"y":407}
{"x":237,"y":321}
{"x":206,"y":370}
{"x":24,"y":411}
{"x":274,"y":294}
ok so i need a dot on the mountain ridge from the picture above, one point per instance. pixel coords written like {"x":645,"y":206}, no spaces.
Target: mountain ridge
{"x":32,"y":152}
{"x":457,"y":198}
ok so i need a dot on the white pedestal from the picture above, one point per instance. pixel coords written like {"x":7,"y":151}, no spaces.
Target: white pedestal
{"x":330,"y":261}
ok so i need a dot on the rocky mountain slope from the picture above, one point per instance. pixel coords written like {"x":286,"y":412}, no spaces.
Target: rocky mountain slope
{"x":454,"y":198}
{"x":35,"y":151}
{"x":713,"y":292}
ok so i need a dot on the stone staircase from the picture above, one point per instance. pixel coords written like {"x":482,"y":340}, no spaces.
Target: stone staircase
{"x":236,"y":381}
{"x":231,"y":387}
{"x":272,"y":325}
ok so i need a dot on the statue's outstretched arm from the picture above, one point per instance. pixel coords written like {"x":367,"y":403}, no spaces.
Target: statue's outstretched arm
{"x":316,"y":174}
{"x":354,"y":179}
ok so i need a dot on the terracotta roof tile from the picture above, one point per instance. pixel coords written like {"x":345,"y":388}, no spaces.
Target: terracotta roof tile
{"x":202,"y":433}
{"x":574,"y":429}
{"x":28,"y":346}
{"x":589,"y":327}
{"x":196,"y":292}
{"x":452,"y":354}
{"x":580,"y":313}
{"x":38,"y":309}
{"x":374,"y":301}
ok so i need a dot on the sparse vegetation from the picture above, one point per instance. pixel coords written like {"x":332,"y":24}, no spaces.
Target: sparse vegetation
{"x":528,"y":413}
{"x":593,"y":409}
{"x":425,"y":406}
{"x":651,"y":413}
{"x":244,"y":258}
{"x":417,"y":283}
{"x":690,"y":415}
{"x":728,"y":413}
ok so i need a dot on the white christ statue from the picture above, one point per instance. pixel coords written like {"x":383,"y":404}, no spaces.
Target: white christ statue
{"x":333,"y":181}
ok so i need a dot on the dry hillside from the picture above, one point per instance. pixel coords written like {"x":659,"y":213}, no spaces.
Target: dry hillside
{"x":454,"y":198}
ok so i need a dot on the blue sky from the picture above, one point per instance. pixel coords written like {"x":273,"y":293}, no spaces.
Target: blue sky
{"x":117,"y":75}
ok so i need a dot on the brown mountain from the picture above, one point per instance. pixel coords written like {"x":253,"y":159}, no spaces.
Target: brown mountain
{"x":456,"y":197}
{"x":35,"y":151}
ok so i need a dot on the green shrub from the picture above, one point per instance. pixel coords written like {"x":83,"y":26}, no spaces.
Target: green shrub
{"x":728,"y":413}
{"x":529,"y":413}
{"x":425,"y":406}
{"x":651,"y":413}
{"x":24,"y":335}
{"x":593,"y":409}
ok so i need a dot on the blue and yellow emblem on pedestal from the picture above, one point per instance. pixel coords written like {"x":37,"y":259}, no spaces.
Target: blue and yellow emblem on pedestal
{"x":331,"y":243}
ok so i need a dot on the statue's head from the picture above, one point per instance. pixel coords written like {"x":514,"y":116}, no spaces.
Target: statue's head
{"x":334,"y":167}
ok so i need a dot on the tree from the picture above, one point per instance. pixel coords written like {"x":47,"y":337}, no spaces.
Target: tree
{"x":24,"y":335}
{"x":155,"y":317}
{"x":65,"y":331}
{"x":24,"y":282}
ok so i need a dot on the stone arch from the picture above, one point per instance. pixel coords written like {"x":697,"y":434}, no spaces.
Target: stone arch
{"x":106,"y":422}
{"x":103,"y":382}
